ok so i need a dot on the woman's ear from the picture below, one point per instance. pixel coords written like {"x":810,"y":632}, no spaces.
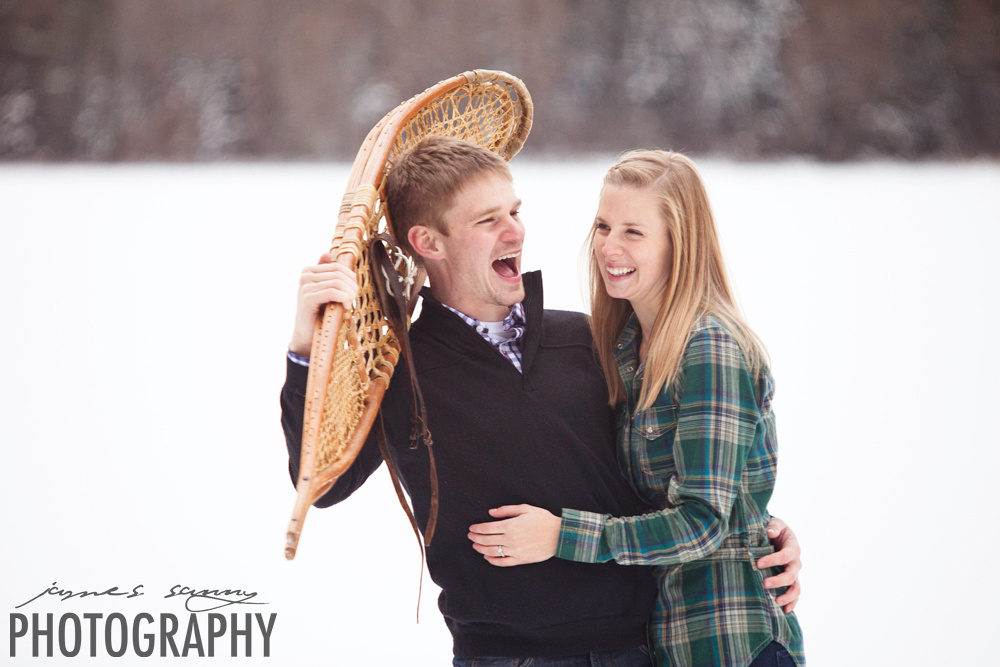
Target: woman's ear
{"x":424,"y":241}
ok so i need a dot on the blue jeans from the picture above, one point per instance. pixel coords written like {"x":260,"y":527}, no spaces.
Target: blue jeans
{"x":626,"y":657}
{"x":773,"y":655}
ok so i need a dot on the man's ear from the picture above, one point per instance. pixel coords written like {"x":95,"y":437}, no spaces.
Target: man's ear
{"x":424,"y":241}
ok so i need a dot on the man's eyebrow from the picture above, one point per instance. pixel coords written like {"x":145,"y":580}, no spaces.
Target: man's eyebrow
{"x":479,"y":215}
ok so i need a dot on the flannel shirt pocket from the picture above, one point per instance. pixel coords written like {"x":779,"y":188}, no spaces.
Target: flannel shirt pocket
{"x":654,"y":422}
{"x":655,"y":428}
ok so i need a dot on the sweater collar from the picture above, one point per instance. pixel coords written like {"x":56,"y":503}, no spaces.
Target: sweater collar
{"x":464,"y":338}
{"x":533,"y":309}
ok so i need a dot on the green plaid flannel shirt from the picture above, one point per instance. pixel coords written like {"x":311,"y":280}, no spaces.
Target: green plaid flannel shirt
{"x":706,"y":453}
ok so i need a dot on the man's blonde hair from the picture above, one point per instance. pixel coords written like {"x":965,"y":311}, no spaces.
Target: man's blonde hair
{"x":421,"y":186}
{"x":698,"y":283}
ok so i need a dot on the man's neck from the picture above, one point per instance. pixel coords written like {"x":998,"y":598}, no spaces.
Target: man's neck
{"x":484,"y":312}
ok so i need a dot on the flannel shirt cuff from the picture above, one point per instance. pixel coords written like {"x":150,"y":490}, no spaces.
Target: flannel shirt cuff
{"x":579,"y":536}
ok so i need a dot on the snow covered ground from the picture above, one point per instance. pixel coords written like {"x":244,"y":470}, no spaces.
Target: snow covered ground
{"x":146,"y":309}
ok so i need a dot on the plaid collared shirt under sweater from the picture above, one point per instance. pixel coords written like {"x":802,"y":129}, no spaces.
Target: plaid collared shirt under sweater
{"x":706,"y":452}
{"x":515,"y":322}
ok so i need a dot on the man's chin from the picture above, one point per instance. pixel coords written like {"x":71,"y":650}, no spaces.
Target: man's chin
{"x":517,"y":295}
{"x":509,"y":294}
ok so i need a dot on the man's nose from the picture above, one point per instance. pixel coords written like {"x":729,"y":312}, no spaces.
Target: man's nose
{"x":513,"y":229}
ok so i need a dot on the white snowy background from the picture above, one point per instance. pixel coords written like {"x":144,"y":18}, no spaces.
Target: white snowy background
{"x":145,"y":311}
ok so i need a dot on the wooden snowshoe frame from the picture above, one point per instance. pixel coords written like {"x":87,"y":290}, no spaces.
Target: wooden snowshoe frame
{"x":354,"y":353}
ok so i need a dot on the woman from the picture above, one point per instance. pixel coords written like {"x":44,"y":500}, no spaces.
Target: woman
{"x":696,"y":433}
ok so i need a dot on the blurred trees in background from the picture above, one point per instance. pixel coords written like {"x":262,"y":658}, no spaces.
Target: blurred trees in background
{"x":306,"y":79}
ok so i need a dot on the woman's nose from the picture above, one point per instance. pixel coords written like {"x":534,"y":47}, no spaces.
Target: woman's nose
{"x":611,"y":247}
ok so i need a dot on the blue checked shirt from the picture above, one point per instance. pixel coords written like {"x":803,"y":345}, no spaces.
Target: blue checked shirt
{"x":514,"y":322}
{"x":706,"y":453}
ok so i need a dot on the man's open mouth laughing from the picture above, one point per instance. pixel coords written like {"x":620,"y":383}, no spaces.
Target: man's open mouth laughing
{"x":506,"y":265}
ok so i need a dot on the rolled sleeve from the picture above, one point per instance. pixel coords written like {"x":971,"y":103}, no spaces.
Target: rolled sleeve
{"x":580,"y":535}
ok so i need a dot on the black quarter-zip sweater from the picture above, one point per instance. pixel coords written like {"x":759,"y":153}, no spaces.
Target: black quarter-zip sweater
{"x":544,"y":437}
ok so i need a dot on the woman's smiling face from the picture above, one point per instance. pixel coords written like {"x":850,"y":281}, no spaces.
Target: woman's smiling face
{"x":632,"y":248}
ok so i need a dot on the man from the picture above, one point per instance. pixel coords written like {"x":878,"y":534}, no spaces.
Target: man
{"x":518,"y":412}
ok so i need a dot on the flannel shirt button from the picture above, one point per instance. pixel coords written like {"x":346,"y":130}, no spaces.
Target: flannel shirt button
{"x":649,"y":429}
{"x":620,"y":346}
{"x":629,"y":369}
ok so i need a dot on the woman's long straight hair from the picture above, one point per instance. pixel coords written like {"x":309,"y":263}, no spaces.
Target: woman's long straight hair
{"x":698,"y":283}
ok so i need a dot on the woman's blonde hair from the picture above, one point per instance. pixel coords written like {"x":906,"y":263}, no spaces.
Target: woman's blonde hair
{"x":698,"y":282}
